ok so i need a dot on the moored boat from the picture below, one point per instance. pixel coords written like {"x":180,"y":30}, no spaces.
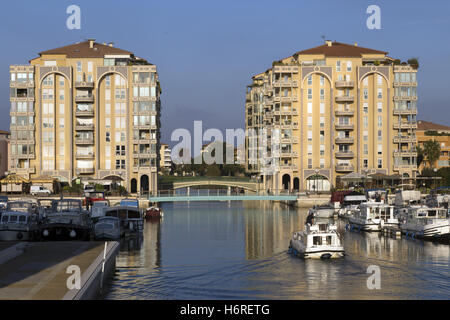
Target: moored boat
{"x":373,"y":216}
{"x":107,"y":228}
{"x":153,"y":212}
{"x":323,"y":211}
{"x":131,"y":219}
{"x":18,"y":221}
{"x":428,"y":223}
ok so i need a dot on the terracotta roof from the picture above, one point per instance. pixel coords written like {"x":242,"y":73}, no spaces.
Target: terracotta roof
{"x":82,"y":50}
{"x":430,"y":126}
{"x":338,"y":49}
{"x":4,"y":132}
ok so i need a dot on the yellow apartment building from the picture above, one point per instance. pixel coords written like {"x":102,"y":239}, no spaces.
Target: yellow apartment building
{"x":86,"y":111}
{"x":432,"y":131}
{"x":329,"y":111}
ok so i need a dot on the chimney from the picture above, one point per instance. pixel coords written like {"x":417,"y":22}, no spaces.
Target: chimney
{"x":356,"y":44}
{"x":91,"y":43}
{"x":329,"y":43}
{"x":111,"y":44}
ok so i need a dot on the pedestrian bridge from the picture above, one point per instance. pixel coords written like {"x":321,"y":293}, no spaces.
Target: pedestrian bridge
{"x":247,"y":185}
{"x":219,"y":195}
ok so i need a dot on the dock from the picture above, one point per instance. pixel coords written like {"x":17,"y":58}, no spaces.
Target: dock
{"x":392,"y":231}
{"x":45,"y":270}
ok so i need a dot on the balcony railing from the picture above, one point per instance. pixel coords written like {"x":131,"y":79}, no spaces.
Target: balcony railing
{"x":405,"y":153}
{"x":344,"y":168}
{"x":345,"y":98}
{"x":405,"y":111}
{"x":84,"y":127}
{"x":344,"y":126}
{"x":84,"y":84}
{"x":344,"y":112}
{"x":344,"y":84}
{"x":405,"y":125}
{"x":85,"y":155}
{"x":344,"y":154}
{"x":405,"y":139}
{"x":84,"y":141}
{"x":84,"y":170}
{"x":84,"y":98}
{"x":344,"y":140}
{"x":87,"y":113}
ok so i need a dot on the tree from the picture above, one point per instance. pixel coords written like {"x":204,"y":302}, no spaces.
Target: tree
{"x":431,"y":152}
{"x":213,"y":171}
{"x":420,"y":156}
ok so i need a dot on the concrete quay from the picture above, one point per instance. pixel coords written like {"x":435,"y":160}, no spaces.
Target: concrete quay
{"x":39,"y":270}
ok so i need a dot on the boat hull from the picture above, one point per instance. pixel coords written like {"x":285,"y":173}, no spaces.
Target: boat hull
{"x":365,"y":225}
{"x":321,"y":252}
{"x":436,"y":230}
{"x":14,"y":235}
{"x":106,"y":235}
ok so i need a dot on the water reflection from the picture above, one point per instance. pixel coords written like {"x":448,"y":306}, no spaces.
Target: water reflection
{"x":238,"y":250}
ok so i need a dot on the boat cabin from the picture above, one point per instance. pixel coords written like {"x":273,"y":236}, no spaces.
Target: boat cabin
{"x":375,"y":210}
{"x":66,"y":205}
{"x":426,"y":212}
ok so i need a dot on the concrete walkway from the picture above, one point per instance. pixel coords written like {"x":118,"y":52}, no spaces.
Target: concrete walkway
{"x":37,"y":270}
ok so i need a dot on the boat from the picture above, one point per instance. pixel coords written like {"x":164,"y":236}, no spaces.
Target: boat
{"x":373,"y":216}
{"x":107,"y":228}
{"x":317,"y":241}
{"x":67,"y":220}
{"x":377,"y":195}
{"x":91,"y":197}
{"x":323,"y":211}
{"x":427,"y":223}
{"x":131,"y":219}
{"x":18,"y":221}
{"x":350,"y":203}
{"x":153,"y":212}
{"x":98,"y":209}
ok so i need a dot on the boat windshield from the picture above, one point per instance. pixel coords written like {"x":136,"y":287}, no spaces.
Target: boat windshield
{"x":19,"y":206}
{"x":67,"y":206}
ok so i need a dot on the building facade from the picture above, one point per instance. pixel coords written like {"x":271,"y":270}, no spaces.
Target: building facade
{"x":440,"y":133}
{"x":4,"y":151}
{"x":86,"y":111}
{"x":166,"y":158}
{"x":329,"y":111}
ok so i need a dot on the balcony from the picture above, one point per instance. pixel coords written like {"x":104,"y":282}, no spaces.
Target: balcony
{"x":398,"y":167}
{"x":344,"y":154}
{"x":84,"y":141}
{"x":405,"y":125}
{"x":343,"y":126}
{"x":340,"y":113}
{"x":24,"y":170}
{"x":84,"y":113}
{"x":84,"y":84}
{"x":292,"y":167}
{"x":404,"y":111}
{"x":285,"y":69}
{"x":405,"y":153}
{"x":288,"y":83}
{"x":344,"y":84}
{"x":345,"y":98}
{"x":344,"y":140}
{"x":85,"y":170}
{"x":285,"y":99}
{"x":84,"y":127}
{"x":85,"y":98}
{"x":405,"y":139}
{"x":344,"y":168}
{"x":24,"y":156}
{"x":85,"y":155}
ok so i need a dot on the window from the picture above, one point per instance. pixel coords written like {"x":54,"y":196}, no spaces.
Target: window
{"x":107,"y":94}
{"x":90,"y":66}
{"x":365,"y":107}
{"x":380,"y":135}
{"x":322,"y":107}
{"x":108,"y":81}
{"x":108,"y":137}
{"x":309,"y":135}
{"x":366,"y":163}
{"x":322,"y":163}
{"x":309,"y":107}
{"x":322,"y":80}
{"x":380,"y":93}
{"x":309,"y":163}
{"x":310,"y":80}
{"x":380,"y":106}
{"x":365,"y":122}
{"x":380,"y":121}
{"x":322,"y":94}
{"x":338,"y":66}
{"x":79,"y":65}
{"x":366,"y":81}
{"x":366,"y":149}
{"x":379,"y":80}
{"x":380,"y":149}
{"x":108,"y":122}
{"x":61,"y":122}
{"x":107,"y":108}
{"x":61,"y":94}
{"x":366,"y":94}
{"x":119,"y":80}
{"x":380,"y":163}
{"x":309,"y":94}
{"x":310,"y":120}
{"x":322,"y":122}
{"x":349,"y":66}
{"x":108,"y":164}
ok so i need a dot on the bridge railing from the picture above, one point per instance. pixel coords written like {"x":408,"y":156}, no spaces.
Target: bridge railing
{"x":221,"y":192}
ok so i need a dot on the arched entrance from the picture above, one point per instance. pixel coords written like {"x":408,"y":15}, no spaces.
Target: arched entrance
{"x":286,"y":181}
{"x":133,"y":185}
{"x":296,"y":184}
{"x":317,"y":183}
{"x":144,"y":183}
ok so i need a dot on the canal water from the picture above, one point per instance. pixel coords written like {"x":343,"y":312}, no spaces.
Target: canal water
{"x":238,"y":250}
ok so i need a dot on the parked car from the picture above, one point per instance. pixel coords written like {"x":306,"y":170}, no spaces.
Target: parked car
{"x":39,"y":190}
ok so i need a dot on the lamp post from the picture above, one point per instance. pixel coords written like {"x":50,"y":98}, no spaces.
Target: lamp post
{"x":435,"y":172}
{"x":365,"y":177}
{"x":315,"y":184}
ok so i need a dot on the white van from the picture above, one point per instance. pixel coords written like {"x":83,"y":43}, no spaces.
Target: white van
{"x":39,"y":190}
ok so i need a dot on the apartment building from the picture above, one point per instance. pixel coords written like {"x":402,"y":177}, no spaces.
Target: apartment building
{"x":329,"y":111}
{"x":166,"y":157}
{"x":4,"y":150}
{"x":86,"y":111}
{"x":432,"y":131}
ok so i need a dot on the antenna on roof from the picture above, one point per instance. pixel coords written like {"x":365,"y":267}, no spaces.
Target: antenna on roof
{"x":323,"y":37}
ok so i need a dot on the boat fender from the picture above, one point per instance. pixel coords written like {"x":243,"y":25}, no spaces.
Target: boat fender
{"x":19,"y":235}
{"x":413,"y":235}
{"x":73,"y":234}
{"x":45,"y":233}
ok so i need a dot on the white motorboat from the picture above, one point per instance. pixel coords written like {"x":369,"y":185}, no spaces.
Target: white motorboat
{"x":350,"y":203}
{"x":107,"y":228}
{"x":98,"y":209}
{"x":318,"y":241}
{"x":18,"y":221}
{"x":373,"y":216}
{"x":324,"y":211}
{"x":428,"y":223}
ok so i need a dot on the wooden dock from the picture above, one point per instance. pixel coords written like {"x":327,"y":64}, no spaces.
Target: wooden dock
{"x":39,"y":270}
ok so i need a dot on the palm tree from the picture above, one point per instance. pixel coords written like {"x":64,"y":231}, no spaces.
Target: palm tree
{"x":431,"y":152}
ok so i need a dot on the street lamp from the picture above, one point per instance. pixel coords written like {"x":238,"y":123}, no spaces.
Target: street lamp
{"x":365,"y":177}
{"x":435,"y":172}
{"x":315,"y":184}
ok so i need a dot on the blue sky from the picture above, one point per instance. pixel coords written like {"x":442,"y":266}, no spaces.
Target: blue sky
{"x":207,"y":51}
